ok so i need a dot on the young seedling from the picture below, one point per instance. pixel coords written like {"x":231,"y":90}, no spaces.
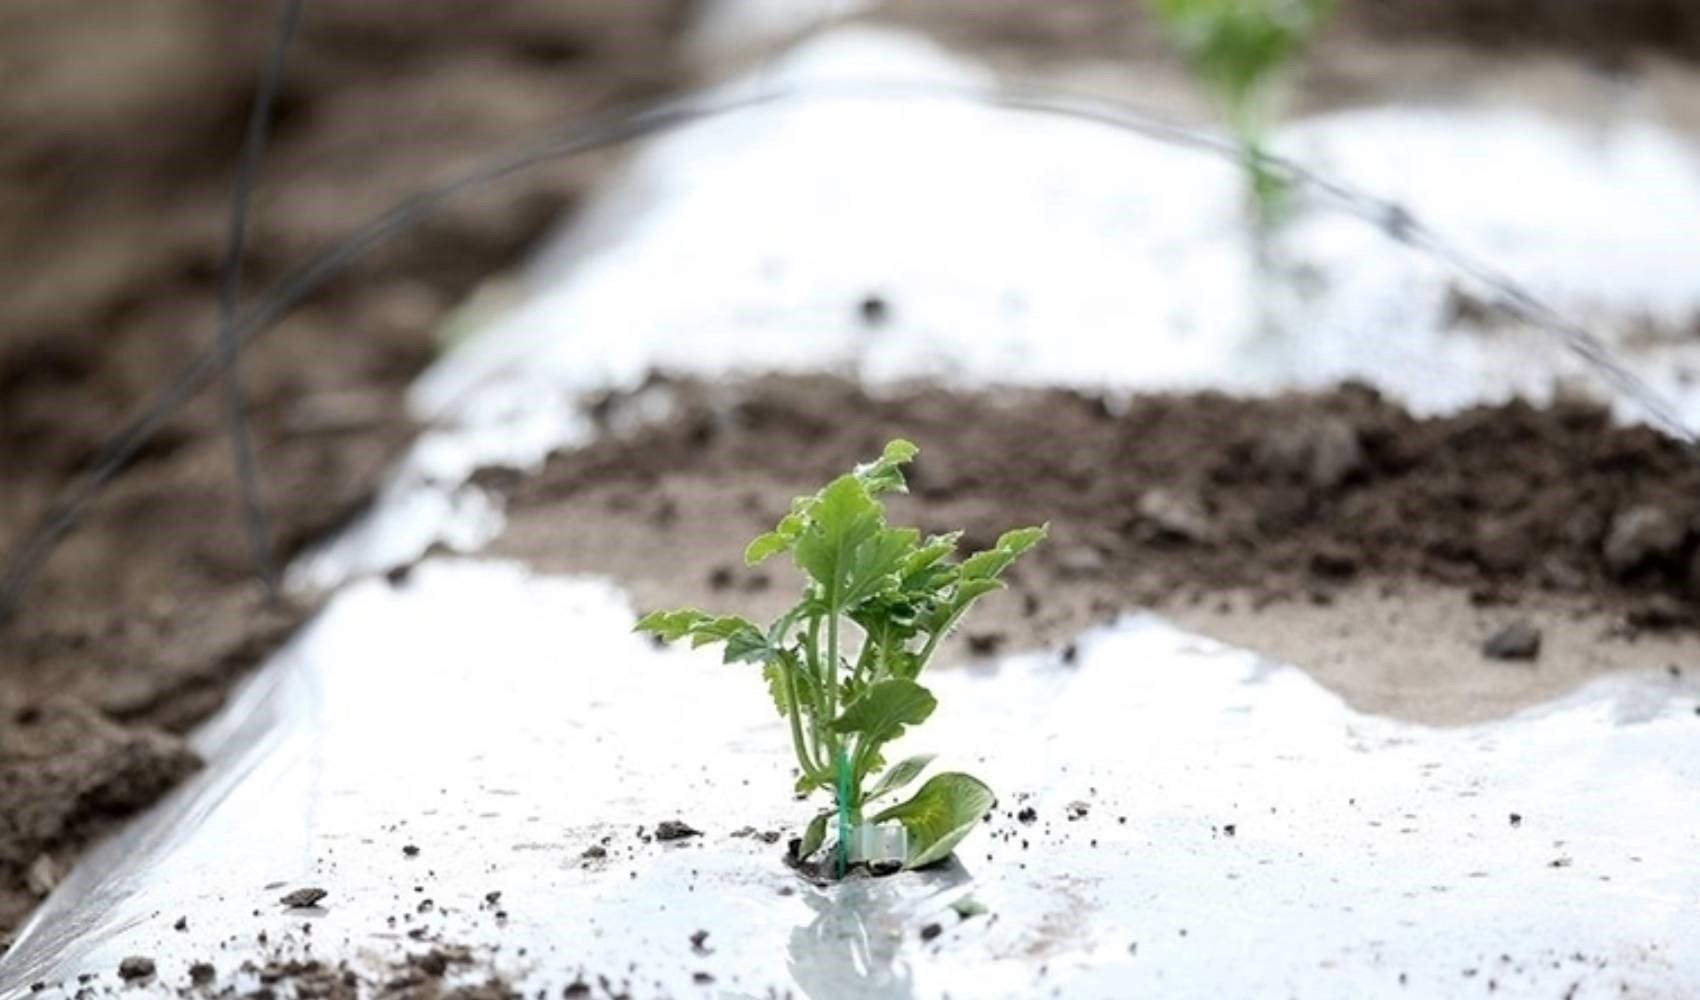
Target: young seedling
{"x":1238,"y":49}
{"x":841,"y":664}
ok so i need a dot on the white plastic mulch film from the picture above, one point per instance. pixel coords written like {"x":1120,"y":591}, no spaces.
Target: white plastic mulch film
{"x":1239,"y":830}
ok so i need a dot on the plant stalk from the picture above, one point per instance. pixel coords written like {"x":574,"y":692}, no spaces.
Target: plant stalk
{"x":841,"y":855}
{"x":810,"y":766}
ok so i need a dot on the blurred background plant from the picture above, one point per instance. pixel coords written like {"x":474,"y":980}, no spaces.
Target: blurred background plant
{"x":1241,"y":50}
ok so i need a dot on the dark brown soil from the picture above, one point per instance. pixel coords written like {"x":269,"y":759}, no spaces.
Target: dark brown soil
{"x":1161,"y":501}
{"x":118,"y":135}
{"x":65,"y":772}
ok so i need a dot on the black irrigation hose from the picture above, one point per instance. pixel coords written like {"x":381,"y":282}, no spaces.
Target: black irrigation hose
{"x":230,"y":286}
{"x":611,"y":129}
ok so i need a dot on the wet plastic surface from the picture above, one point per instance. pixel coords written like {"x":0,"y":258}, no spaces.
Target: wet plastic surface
{"x":1243,"y":832}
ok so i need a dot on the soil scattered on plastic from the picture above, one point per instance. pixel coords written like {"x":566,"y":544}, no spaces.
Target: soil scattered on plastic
{"x":304,"y":898}
{"x":672,"y":829}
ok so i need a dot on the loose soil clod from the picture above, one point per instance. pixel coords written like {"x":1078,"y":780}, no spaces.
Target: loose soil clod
{"x":135,"y":967}
{"x":1516,"y":641}
{"x":301,"y":899}
{"x":673,"y":829}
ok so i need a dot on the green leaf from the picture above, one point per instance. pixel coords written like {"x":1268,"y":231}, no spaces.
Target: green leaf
{"x":969,"y":591}
{"x":927,"y":555}
{"x":847,"y":550}
{"x":939,"y":815}
{"x":903,"y":664}
{"x":764,"y":546}
{"x":843,"y":518}
{"x":899,"y":451}
{"x":898,"y":775}
{"x":748,"y":646}
{"x":1011,"y":544}
{"x":882,"y":711}
{"x":783,"y":535}
{"x":671,"y":626}
{"x":885,"y":475}
{"x":1019,"y":540}
{"x":814,"y":835}
{"x":707,"y":630}
{"x":874,"y":565}
{"x":773,"y":672}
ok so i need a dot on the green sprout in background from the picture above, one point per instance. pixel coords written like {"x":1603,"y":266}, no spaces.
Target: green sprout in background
{"x":844,"y":700}
{"x":1239,"y":50}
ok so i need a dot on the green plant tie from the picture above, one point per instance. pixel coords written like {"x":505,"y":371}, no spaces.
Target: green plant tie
{"x":841,"y":856}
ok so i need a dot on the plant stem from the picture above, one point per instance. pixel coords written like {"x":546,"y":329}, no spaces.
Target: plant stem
{"x":933,"y":641}
{"x":819,"y":716}
{"x":832,"y":666}
{"x":862,"y":662}
{"x":841,"y":855}
{"x":810,"y":767}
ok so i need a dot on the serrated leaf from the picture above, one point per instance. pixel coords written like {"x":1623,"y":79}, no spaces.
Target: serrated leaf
{"x":773,"y":672}
{"x":671,"y":626}
{"x":814,"y":835}
{"x":985,"y":565}
{"x":884,"y":474}
{"x":1019,"y":540}
{"x":899,"y":451}
{"x":898,"y":775}
{"x":748,"y":646}
{"x":882,"y":711}
{"x":939,"y":815}
{"x":764,"y":547}
{"x":843,"y":518}
{"x":928,"y":553}
{"x":1011,"y":544}
{"x":875,"y":563}
{"x":971,"y":590}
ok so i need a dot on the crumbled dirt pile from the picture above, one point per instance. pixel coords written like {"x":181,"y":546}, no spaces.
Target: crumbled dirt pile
{"x":1160,"y":500}
{"x":66,"y":771}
